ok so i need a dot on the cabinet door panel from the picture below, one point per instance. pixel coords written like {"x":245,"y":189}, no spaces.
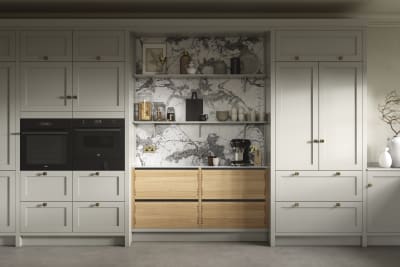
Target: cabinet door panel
{"x":383,"y":200}
{"x":296,"y":116}
{"x":99,"y":46}
{"x":7,"y":116}
{"x":99,"y":86}
{"x":340,"y":116}
{"x":46,"y":46}
{"x":7,"y":45}
{"x":45,"y":86}
{"x":7,"y":202}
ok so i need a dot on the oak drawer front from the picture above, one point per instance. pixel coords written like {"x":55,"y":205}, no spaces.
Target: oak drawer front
{"x":318,"y":217}
{"x":233,"y":184}
{"x":165,"y":215}
{"x":99,"y":217}
{"x":99,"y":45}
{"x":7,"y":45}
{"x":319,"y":46}
{"x":46,"y":186}
{"x":234,"y":215}
{"x":46,"y":46}
{"x":98,"y":186}
{"x":165,"y":184}
{"x":318,"y":186}
{"x":46,"y":217}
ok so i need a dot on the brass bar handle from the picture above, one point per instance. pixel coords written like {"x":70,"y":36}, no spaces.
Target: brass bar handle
{"x":321,"y":140}
{"x":74,"y":97}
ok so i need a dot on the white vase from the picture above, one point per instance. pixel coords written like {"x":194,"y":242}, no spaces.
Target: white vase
{"x":385,"y":160}
{"x":394,"y":150}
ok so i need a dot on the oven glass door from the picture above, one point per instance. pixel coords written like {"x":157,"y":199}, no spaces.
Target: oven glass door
{"x":45,"y":150}
{"x":98,"y":149}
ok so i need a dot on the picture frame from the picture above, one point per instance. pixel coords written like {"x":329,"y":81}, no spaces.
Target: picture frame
{"x":152,"y":52}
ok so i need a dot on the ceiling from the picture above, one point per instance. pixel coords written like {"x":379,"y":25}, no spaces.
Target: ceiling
{"x":200,"y":8}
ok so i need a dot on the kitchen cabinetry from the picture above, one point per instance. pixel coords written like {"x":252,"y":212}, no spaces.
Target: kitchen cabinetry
{"x":200,"y":199}
{"x":7,"y":46}
{"x":7,"y":201}
{"x":99,"y":46}
{"x":7,"y":116}
{"x":327,"y":45}
{"x":383,"y":200}
{"x":46,"y":46}
{"x":323,"y":102}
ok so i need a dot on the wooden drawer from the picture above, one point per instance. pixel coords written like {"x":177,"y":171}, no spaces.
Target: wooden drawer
{"x":318,"y":217}
{"x":99,"y":46}
{"x":318,"y":186}
{"x":165,"y":215}
{"x":233,"y":184}
{"x":46,"y":186}
{"x":165,"y":184}
{"x":46,"y":46}
{"x":98,"y":186}
{"x":7,"y":45}
{"x":319,"y":45}
{"x":48,"y":217}
{"x":234,"y":215}
{"x":99,"y":217}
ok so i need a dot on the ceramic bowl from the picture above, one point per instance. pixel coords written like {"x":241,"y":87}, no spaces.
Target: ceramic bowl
{"x":222,"y":115}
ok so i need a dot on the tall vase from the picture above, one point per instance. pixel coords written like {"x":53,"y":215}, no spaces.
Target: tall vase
{"x":394,"y":146}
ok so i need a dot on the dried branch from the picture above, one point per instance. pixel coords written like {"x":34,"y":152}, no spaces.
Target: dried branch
{"x":390,"y":111}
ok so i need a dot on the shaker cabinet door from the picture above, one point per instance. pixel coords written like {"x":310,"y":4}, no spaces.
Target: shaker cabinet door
{"x":296,"y":116}
{"x":7,"y":202}
{"x":46,"y":86}
{"x":7,"y":116}
{"x":7,"y":46}
{"x":340,"y":116}
{"x":99,"y":86}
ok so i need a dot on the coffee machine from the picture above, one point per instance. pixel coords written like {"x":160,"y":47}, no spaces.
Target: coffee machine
{"x":241,"y":151}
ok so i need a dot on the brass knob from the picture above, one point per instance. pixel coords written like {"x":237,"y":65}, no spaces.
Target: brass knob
{"x":44,"y":204}
{"x":296,"y":58}
{"x":98,"y":57}
{"x":45,"y":58}
{"x":296,"y":205}
{"x":296,"y":174}
{"x":322,"y":140}
{"x":97,"y":204}
{"x":340,"y":57}
{"x":337,"y":173}
{"x":337,"y":205}
{"x":369,"y":185}
{"x":44,"y":173}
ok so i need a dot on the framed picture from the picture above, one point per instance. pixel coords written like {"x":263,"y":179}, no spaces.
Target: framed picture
{"x":153,"y":56}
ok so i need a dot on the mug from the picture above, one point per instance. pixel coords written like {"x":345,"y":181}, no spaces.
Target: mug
{"x":203,"y":117}
{"x":215,"y":161}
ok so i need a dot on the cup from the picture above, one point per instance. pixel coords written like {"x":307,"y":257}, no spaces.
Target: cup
{"x":203,"y":117}
{"x":210,"y":160}
{"x":215,"y":161}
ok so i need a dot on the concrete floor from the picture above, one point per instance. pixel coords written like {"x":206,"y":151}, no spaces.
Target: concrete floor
{"x":202,"y":254}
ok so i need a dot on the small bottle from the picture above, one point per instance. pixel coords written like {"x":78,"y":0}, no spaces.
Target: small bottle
{"x":234,"y":114}
{"x":184,"y":62}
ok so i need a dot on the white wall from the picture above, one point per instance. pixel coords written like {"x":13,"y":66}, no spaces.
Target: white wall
{"x":383,"y":65}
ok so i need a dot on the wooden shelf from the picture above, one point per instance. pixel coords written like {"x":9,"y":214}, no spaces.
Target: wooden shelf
{"x":199,"y":76}
{"x":199,"y":122}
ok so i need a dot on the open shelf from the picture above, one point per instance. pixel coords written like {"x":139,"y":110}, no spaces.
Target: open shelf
{"x":199,"y":122}
{"x":199,"y":76}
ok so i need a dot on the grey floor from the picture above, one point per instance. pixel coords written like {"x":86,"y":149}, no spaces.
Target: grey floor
{"x":165,"y":254}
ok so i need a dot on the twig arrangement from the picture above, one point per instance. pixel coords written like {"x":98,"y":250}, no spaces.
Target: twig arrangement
{"x":390,"y":111}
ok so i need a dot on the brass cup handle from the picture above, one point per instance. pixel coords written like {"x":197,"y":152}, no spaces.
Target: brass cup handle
{"x":98,"y":58}
{"x":296,"y":58}
{"x":296,"y":174}
{"x":97,"y":204}
{"x":369,"y":185}
{"x":340,"y":57}
{"x":74,"y":97}
{"x":44,"y":204}
{"x":337,"y":173}
{"x":96,"y":173}
{"x":296,"y":205}
{"x":44,"y":173}
{"x":45,"y":58}
{"x":338,"y":205}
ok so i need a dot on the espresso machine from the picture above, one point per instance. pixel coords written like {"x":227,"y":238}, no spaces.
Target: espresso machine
{"x":241,"y":151}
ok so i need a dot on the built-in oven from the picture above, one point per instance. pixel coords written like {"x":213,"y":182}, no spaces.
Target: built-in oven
{"x":46,"y":144}
{"x":98,"y":144}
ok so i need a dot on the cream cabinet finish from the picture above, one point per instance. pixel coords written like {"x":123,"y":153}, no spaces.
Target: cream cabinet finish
{"x":296,"y":116}
{"x":46,"y":186}
{"x":98,"y":86}
{"x":7,"y":201}
{"x":98,"y":217}
{"x":383,"y":201}
{"x":234,"y":215}
{"x":313,"y":45}
{"x":7,"y":46}
{"x":165,"y":215}
{"x":319,"y":186}
{"x":46,"y":86}
{"x":233,"y":184}
{"x":99,"y":46}
{"x":324,"y":112}
{"x":98,"y":185}
{"x":318,"y":217}
{"x":165,"y":184}
{"x":46,"y":45}
{"x":46,"y":217}
{"x":7,"y":116}
{"x":340,"y":116}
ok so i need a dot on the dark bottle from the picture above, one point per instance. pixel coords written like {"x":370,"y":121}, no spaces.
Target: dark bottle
{"x":184,"y":62}
{"x":235,"y":65}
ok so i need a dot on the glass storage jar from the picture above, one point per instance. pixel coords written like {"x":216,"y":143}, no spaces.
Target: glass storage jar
{"x":145,"y":106}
